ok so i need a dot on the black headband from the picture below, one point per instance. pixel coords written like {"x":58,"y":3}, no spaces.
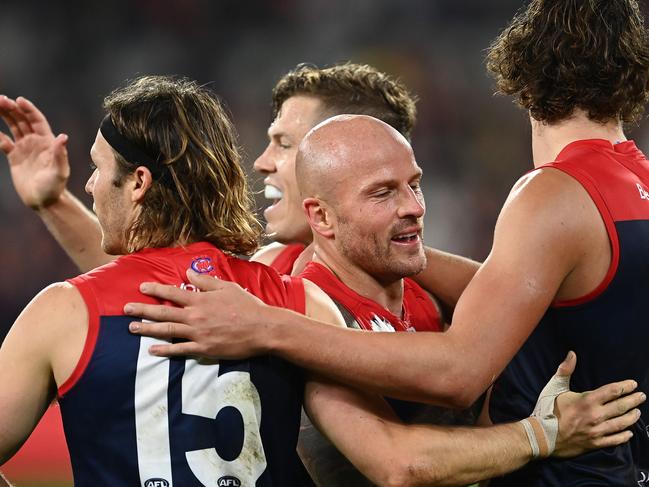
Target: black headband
{"x":129,"y":150}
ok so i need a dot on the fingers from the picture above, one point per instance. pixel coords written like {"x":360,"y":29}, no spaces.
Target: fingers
{"x":204,"y":282}
{"x":617,"y":424}
{"x":8,"y":108}
{"x":155,"y":312}
{"x":61,"y":141}
{"x":622,"y":405}
{"x":182,"y":349}
{"x":61,"y":155}
{"x":567,"y":367}
{"x":6,"y":144}
{"x":166,"y":292}
{"x":164,"y":330}
{"x":612,"y":440}
{"x":33,"y":116}
{"x":611,"y":392}
{"x":22,"y":125}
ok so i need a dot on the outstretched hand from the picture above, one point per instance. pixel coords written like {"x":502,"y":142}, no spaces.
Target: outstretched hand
{"x":588,"y":420}
{"x":220,"y":321}
{"x":38,"y":161}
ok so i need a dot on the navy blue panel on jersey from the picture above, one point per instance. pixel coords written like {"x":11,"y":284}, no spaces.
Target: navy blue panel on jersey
{"x":135,"y":419}
{"x":610,"y":339}
{"x":104,"y":395}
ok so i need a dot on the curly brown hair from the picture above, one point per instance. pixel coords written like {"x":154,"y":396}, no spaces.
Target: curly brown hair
{"x":351,"y":88}
{"x":560,"y":55}
{"x":203,"y":194}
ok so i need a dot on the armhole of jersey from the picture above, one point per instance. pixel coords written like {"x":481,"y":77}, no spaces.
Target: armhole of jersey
{"x":91,"y":338}
{"x":427,"y":299}
{"x":606,"y":216}
{"x":296,"y":299}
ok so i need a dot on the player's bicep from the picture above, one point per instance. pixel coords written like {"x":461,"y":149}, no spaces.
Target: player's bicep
{"x":534,"y":250}
{"x":26,"y":378}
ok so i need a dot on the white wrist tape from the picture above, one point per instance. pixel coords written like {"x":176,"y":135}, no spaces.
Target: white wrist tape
{"x":542,"y":427}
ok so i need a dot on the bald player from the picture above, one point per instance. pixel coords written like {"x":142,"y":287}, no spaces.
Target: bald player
{"x":354,"y":260}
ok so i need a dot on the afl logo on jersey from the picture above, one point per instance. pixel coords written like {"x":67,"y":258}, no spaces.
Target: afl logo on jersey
{"x":228,"y":481}
{"x":202,"y":265}
{"x":156,"y":483}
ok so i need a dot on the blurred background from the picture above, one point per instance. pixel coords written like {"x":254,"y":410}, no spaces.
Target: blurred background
{"x":65,"y":56}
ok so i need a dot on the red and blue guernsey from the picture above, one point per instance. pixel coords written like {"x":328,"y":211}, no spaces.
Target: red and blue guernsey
{"x":134,"y":419}
{"x":419,"y":311}
{"x":607,"y":328}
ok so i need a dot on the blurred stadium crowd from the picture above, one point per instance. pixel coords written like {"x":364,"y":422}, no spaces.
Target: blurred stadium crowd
{"x":67,"y":56}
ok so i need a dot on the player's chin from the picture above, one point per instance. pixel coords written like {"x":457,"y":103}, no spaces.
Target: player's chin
{"x":409,"y":265}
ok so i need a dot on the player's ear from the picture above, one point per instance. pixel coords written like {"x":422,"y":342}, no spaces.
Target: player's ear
{"x":319,"y":216}
{"x":142,"y":181}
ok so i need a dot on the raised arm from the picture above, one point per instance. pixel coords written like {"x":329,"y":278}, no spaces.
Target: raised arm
{"x":38,"y":163}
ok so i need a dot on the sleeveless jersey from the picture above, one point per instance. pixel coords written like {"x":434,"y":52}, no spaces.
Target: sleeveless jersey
{"x":607,"y":328}
{"x":134,"y":419}
{"x":325,"y":463}
{"x":419,"y":311}
{"x":284,"y":261}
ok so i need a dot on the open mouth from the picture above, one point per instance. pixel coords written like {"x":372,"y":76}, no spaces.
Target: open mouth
{"x":406,"y":238}
{"x":272,"y":193}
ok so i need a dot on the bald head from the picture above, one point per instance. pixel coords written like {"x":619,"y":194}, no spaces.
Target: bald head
{"x":336,"y":149}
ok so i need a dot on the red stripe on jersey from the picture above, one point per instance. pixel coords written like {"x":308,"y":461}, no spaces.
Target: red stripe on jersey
{"x":91,"y":337}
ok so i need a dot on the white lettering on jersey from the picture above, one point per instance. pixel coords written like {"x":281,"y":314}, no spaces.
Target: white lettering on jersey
{"x":644,"y":195}
{"x":151,"y":423}
{"x":204,"y":393}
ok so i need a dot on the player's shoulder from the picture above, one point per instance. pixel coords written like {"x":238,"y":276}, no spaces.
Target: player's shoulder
{"x":57,"y":296}
{"x":543,"y":182}
{"x":550,"y":194}
{"x":268,"y":253}
{"x":52,"y":311}
{"x":319,"y":306}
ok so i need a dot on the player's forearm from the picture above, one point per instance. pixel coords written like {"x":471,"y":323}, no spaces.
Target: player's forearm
{"x":77,"y":230}
{"x":446,"y":275}
{"x":462,"y":455}
{"x":401,"y":365}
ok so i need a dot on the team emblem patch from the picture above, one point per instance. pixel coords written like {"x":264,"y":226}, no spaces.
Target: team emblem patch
{"x":202,"y":265}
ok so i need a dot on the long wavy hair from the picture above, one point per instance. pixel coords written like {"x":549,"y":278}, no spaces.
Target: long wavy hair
{"x":202,"y":193}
